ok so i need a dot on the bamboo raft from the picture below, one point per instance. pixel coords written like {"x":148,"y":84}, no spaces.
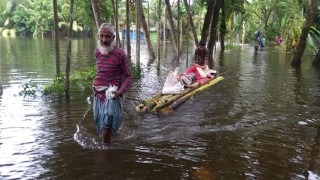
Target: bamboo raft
{"x":167,"y":103}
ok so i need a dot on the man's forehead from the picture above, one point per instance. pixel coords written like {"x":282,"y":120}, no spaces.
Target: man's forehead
{"x":105,"y":31}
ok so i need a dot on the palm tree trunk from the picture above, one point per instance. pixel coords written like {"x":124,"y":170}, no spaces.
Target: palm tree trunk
{"x":56,"y":37}
{"x":178,"y":30}
{"x":159,"y":34}
{"x":193,"y":31}
{"x":138,"y":68}
{"x":128,"y":30}
{"x":165,"y":23}
{"x":172,"y":26}
{"x":159,"y":30}
{"x":146,"y":34}
{"x":207,"y":20}
{"x":213,"y":32}
{"x":96,"y":12}
{"x":116,"y":21}
{"x":223,"y":27}
{"x":302,"y":42}
{"x":68,"y":61}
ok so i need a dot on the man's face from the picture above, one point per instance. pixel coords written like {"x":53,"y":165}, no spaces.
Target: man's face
{"x":105,"y":37}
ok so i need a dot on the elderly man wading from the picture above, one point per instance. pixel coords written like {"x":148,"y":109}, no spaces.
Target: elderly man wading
{"x":112,"y":80}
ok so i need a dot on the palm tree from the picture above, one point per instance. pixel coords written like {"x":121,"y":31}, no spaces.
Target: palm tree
{"x":128,"y":30}
{"x":207,"y":20}
{"x":146,"y":33}
{"x":56,"y":37}
{"x":138,"y":68}
{"x":159,"y":31}
{"x":116,"y":21}
{"x":213,"y":31}
{"x":193,"y":31}
{"x":172,"y":26}
{"x":223,"y":27}
{"x":302,"y":42}
{"x":96,"y":12}
{"x":68,"y":61}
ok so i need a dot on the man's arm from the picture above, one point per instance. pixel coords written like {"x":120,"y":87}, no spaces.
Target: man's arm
{"x":127,"y":76}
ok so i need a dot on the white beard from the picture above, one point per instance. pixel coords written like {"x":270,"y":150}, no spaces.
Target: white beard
{"x":105,"y":49}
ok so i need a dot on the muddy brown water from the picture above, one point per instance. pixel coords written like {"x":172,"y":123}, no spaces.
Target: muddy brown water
{"x":261,"y":122}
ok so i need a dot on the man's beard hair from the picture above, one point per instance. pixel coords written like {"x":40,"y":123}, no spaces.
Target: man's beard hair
{"x":104,"y":49}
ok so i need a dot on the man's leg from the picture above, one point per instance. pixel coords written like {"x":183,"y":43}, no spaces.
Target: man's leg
{"x":106,"y":136}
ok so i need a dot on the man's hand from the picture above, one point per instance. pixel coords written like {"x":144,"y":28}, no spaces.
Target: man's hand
{"x":116,"y":94}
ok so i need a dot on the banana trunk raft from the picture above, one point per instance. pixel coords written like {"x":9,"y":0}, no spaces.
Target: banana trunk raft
{"x":169,"y":102}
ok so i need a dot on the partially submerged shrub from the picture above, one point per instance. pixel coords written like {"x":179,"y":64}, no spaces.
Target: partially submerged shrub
{"x":56,"y":87}
{"x":29,"y":89}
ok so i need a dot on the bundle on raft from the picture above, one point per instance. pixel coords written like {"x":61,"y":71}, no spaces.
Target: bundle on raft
{"x":168,"y":102}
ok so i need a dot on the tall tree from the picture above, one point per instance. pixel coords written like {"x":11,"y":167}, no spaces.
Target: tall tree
{"x":68,"y":61}
{"x":138,"y":67}
{"x":116,"y":20}
{"x":146,"y":33}
{"x":213,"y":31}
{"x":302,"y":42}
{"x":128,"y":30}
{"x":223,"y":27}
{"x":178,"y":29}
{"x":159,"y":31}
{"x":172,"y":26}
{"x":56,"y":37}
{"x":207,"y":20}
{"x":96,"y":12}
{"x":193,"y":31}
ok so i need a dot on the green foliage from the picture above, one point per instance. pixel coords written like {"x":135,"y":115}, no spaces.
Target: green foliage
{"x":34,"y":16}
{"x":229,"y":46}
{"x":136,"y":74}
{"x":29,"y":89}
{"x":84,"y":78}
{"x":314,"y":39}
{"x":56,"y":88}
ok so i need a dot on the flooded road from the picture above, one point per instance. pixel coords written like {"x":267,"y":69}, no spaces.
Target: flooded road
{"x":261,"y":122}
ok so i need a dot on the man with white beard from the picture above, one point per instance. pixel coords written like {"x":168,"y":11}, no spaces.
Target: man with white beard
{"x":113,"y":78}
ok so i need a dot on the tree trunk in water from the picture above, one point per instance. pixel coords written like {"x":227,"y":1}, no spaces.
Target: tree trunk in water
{"x":56,"y":37}
{"x":165,"y":26}
{"x":146,"y":34}
{"x":128,"y":30}
{"x":138,"y":68}
{"x":178,"y":30}
{"x":116,"y":21}
{"x":68,"y":61}
{"x":193,"y":31}
{"x":96,"y":12}
{"x":207,"y":20}
{"x":243,"y":33}
{"x":223,"y":27}
{"x":172,"y":26}
{"x":302,"y":42}
{"x":213,"y":32}
{"x":159,"y":32}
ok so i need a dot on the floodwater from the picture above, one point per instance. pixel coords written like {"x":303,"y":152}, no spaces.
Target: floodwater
{"x":261,"y":122}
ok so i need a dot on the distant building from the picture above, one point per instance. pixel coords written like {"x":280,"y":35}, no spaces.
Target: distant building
{"x":133,"y":34}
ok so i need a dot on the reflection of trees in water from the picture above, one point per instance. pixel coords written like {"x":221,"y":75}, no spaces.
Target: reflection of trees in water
{"x":1,"y":90}
{"x":314,"y":162}
{"x":298,"y":84}
{"x":221,"y":58}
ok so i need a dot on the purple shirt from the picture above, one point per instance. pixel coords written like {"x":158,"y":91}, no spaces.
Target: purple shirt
{"x":113,"y":69}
